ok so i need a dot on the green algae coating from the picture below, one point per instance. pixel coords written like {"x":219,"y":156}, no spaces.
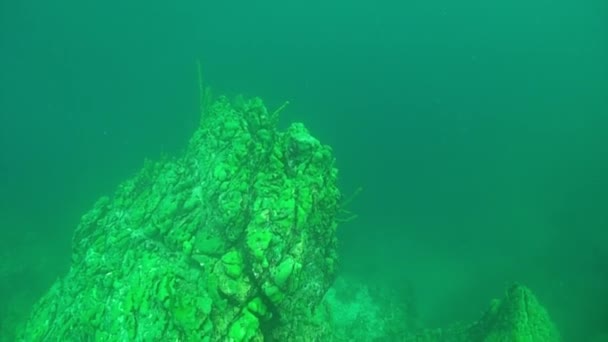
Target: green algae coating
{"x":283,"y":272}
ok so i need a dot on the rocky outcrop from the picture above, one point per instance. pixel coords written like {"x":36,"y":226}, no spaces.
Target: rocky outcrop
{"x":232,"y":241}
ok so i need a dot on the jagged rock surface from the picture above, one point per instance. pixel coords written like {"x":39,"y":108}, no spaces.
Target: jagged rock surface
{"x":233,"y":241}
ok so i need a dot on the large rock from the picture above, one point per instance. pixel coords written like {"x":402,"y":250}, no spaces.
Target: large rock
{"x":232,"y":241}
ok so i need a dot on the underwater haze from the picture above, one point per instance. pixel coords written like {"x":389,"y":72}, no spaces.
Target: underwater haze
{"x":476,"y":130}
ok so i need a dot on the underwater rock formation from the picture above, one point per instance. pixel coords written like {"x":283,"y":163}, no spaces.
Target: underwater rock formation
{"x":357,"y":311}
{"x":518,"y":317}
{"x":233,"y":241}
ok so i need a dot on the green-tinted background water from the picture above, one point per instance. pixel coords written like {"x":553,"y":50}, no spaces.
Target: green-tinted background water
{"x":477,"y":130}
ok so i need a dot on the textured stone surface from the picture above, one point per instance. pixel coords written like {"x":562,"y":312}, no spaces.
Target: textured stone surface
{"x":232,"y":241}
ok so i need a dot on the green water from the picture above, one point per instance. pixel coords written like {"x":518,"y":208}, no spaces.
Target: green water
{"x":477,"y":131}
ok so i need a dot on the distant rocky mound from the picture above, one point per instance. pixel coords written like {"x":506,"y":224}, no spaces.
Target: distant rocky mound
{"x":359,"y":312}
{"x":235,"y":240}
{"x":518,"y":317}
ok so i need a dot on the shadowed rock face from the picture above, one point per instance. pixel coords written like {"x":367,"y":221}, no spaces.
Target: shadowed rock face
{"x":232,"y":241}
